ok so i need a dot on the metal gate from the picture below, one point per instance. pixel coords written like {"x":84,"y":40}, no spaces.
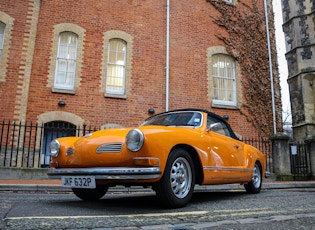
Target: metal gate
{"x":300,"y":161}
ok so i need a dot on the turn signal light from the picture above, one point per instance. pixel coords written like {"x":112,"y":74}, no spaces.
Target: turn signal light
{"x":146,"y":161}
{"x":53,"y":164}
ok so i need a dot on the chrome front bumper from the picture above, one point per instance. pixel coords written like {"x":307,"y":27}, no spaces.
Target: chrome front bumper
{"x":113,"y":173}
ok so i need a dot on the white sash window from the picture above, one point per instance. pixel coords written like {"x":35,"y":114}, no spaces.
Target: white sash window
{"x":116,"y":67}
{"x":66,"y":61}
{"x":2,"y":29}
{"x":224,"y":82}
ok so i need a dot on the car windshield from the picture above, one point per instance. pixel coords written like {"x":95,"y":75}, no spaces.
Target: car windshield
{"x":176,"y":119}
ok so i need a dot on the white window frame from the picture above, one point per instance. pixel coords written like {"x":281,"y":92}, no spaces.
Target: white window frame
{"x":108,"y":88}
{"x":69,"y":86}
{"x":2,"y":36}
{"x":224,"y":79}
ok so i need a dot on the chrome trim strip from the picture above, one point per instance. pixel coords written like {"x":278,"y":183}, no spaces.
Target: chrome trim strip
{"x":108,"y":173}
{"x":221,"y":168}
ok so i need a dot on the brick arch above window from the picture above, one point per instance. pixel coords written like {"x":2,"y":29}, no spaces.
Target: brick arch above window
{"x":7,"y":21}
{"x":60,"y":116}
{"x":211,"y":56}
{"x":80,"y":32}
{"x":128,"y":39}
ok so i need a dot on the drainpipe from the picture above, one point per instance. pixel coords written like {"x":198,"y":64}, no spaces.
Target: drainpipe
{"x":270,"y":70}
{"x":167,"y":53}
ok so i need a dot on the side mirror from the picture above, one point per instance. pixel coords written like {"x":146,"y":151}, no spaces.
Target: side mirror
{"x":215,"y":127}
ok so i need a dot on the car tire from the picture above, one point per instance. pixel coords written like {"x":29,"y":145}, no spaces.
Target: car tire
{"x":254,"y":186}
{"x":91,"y":194}
{"x":176,"y":186}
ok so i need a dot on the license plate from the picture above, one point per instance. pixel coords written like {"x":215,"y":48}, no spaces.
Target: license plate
{"x":78,"y":181}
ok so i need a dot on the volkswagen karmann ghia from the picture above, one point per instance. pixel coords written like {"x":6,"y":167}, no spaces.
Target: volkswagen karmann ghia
{"x":170,"y":152}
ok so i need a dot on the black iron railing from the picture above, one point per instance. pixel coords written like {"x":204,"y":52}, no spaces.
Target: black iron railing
{"x":300,"y":157}
{"x":26,"y":144}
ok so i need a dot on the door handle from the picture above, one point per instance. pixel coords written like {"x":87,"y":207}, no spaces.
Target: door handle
{"x":236,"y":146}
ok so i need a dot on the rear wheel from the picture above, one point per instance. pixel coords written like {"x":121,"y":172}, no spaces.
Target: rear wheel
{"x":254,"y":186}
{"x":176,"y":187}
{"x":91,"y":194}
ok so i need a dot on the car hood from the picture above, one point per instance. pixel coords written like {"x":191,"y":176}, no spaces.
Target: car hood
{"x":106,"y":136}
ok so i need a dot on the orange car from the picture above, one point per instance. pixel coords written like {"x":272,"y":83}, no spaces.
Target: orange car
{"x":171,"y":152}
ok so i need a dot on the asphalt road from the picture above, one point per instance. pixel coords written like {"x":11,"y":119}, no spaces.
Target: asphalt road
{"x":227,"y":209}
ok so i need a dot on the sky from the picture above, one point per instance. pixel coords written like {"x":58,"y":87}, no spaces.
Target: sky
{"x":281,"y":50}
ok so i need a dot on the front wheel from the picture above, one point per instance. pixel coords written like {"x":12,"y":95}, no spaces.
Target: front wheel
{"x":254,"y":186}
{"x":91,"y":194}
{"x":175,"y":188}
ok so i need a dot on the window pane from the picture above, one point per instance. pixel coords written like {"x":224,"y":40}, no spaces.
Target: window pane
{"x":72,"y":52}
{"x":62,"y":65}
{"x":63,"y":52}
{"x":69,"y":78}
{"x":115,"y":79}
{"x":60,"y":78}
{"x":66,"y":60}
{"x":224,"y":88}
{"x":71,"y":66}
{"x":2,"y":28}
{"x":112,"y":57}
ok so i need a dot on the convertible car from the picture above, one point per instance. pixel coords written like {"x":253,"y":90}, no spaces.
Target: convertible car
{"x":170,"y":152}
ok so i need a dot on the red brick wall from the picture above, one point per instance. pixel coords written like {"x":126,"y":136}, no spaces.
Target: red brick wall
{"x":9,"y":87}
{"x":192,"y":32}
{"x":144,"y":20}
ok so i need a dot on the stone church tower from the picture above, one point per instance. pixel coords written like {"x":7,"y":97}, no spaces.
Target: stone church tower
{"x":299,"y":30}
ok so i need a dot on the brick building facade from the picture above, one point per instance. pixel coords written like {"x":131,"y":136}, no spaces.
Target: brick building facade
{"x":104,"y":63}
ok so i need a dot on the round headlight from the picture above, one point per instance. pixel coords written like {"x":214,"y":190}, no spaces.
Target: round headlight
{"x":54,"y":148}
{"x":134,"y":140}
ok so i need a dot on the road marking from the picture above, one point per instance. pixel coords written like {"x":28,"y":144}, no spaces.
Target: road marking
{"x":116,"y":216}
{"x":240,"y":210}
{"x":206,"y":214}
{"x":251,"y":213}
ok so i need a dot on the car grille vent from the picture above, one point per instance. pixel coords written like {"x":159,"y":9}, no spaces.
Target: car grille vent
{"x":110,"y":148}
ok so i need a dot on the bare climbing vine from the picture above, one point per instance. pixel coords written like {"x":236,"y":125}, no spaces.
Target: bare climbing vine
{"x":247,"y":43}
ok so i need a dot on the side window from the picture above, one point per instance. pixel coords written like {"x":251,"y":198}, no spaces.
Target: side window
{"x":224,"y":81}
{"x":116,"y":66}
{"x":224,"y":131}
{"x":2,"y":30}
{"x":66,"y":61}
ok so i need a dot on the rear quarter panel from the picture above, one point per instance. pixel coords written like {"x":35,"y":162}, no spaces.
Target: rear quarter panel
{"x":252,"y":155}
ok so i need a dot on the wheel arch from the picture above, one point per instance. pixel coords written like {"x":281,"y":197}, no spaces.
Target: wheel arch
{"x":254,"y":155}
{"x":260,"y":166}
{"x":196,"y":160}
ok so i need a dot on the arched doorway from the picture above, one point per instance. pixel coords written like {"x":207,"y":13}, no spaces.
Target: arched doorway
{"x":52,"y":130}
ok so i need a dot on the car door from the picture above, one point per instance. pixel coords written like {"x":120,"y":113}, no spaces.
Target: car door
{"x":226,"y":156}
{"x":228,"y":150}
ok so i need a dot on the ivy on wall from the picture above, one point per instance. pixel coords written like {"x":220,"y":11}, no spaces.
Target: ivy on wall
{"x":246,"y":41}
